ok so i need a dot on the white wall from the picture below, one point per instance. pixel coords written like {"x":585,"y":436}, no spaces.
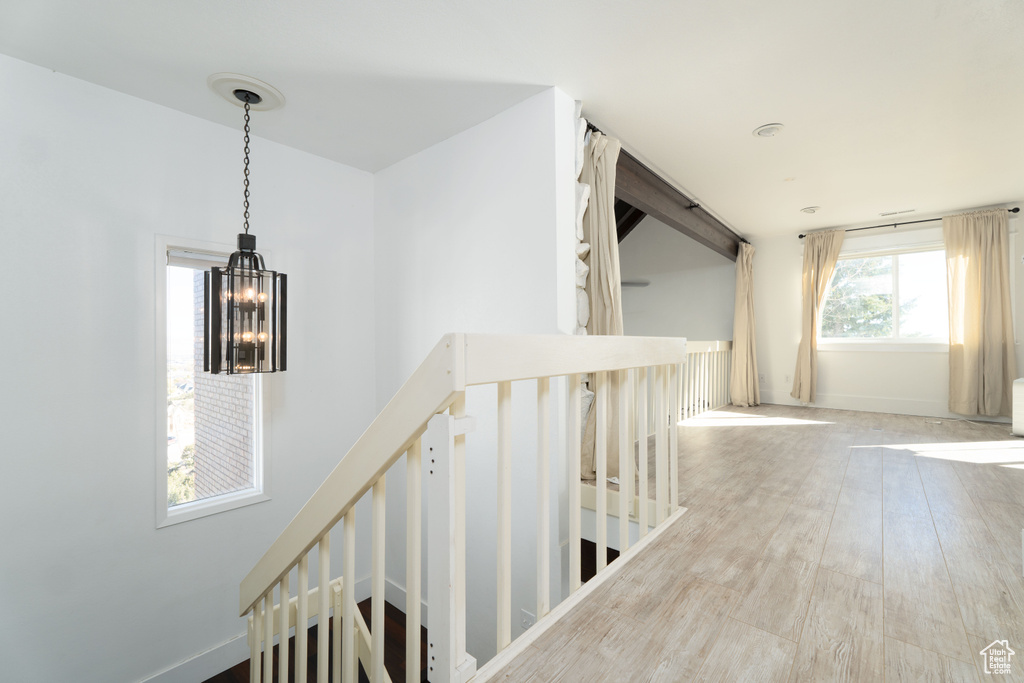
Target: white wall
{"x":91,"y":590}
{"x":692,"y":292}
{"x":475,"y":234}
{"x":902,"y":382}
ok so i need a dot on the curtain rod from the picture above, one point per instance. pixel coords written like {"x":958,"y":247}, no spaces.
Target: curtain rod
{"x":894,"y":225}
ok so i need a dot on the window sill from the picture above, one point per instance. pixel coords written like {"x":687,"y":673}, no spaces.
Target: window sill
{"x":889,"y":346}
{"x":186,"y":512}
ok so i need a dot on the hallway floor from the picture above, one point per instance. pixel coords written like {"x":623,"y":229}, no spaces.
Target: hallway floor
{"x":819,"y":545}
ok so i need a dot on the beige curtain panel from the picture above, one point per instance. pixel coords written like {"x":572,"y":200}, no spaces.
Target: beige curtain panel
{"x":982,"y":365}
{"x":604,"y":286}
{"x":743,"y":386}
{"x":821,"y":251}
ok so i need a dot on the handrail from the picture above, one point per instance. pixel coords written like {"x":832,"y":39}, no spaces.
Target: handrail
{"x":457,"y":361}
{"x":707,"y":346}
{"x":429,"y":390}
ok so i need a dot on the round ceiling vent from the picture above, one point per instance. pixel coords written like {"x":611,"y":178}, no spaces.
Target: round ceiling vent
{"x":811,"y":209}
{"x":768,"y":130}
{"x":229,"y":86}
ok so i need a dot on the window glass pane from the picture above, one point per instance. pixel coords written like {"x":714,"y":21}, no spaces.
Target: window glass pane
{"x":859,"y":301}
{"x":210,"y":418}
{"x":923,"y":304}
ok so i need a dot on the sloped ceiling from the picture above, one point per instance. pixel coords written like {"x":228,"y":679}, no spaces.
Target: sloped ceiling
{"x":916,"y":104}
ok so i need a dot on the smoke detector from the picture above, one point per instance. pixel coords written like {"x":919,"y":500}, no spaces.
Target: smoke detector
{"x":896,"y":213}
{"x":232,"y":87}
{"x":768,"y":130}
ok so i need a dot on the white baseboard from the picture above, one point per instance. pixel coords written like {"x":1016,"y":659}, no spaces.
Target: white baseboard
{"x":393,"y":593}
{"x":229,"y":653}
{"x":876,"y":404}
{"x":205,"y":664}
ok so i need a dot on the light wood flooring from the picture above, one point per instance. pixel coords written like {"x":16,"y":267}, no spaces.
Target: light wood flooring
{"x":819,"y":545}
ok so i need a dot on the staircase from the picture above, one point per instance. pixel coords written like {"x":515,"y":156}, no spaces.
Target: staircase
{"x":655,"y":382}
{"x":394,"y":650}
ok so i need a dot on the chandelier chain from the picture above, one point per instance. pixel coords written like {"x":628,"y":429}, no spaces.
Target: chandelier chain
{"x":246,"y":180}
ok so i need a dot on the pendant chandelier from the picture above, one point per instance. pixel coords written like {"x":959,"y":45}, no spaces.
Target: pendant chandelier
{"x":244,"y":304}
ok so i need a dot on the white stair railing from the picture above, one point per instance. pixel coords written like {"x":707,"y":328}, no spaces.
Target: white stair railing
{"x":706,"y":377}
{"x":426,"y":421}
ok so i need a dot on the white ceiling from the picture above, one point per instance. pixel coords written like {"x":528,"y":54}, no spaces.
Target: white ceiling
{"x":888,"y":105}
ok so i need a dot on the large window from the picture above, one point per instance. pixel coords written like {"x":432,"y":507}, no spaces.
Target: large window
{"x":894,"y":297}
{"x":213,"y":457}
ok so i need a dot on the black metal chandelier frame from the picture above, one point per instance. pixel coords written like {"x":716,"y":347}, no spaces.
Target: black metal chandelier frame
{"x":245,"y":305}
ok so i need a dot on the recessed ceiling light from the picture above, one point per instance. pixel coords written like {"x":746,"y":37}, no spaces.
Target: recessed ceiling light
{"x":788,"y":180}
{"x":896,"y":213}
{"x":768,"y":130}
{"x":227,"y":85}
{"x":811,"y":209}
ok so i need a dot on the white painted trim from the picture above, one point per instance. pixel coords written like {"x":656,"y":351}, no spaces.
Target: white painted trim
{"x":895,"y":343}
{"x":588,"y":501}
{"x":888,"y":344}
{"x":394,"y":593}
{"x":221,"y":657}
{"x":492,"y":358}
{"x":519,"y":645}
{"x":208,"y":663}
{"x":707,"y":346}
{"x":261,"y":466}
{"x":876,"y":404}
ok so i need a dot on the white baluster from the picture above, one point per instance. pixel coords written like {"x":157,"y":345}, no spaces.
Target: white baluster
{"x":719,"y":369}
{"x":641,"y":428}
{"x":302,"y":620}
{"x":284,"y":615}
{"x":323,"y":611}
{"x":256,"y":661}
{"x":254,"y":651}
{"x":694,"y":359}
{"x":625,"y":459}
{"x":463,"y":661}
{"x":602,"y":390}
{"x":717,"y":382}
{"x":349,"y":661}
{"x":335,"y":635}
{"x":707,"y":380}
{"x":377,"y":584}
{"x":268,"y":637}
{"x":660,"y":446}
{"x":504,"y":514}
{"x":574,"y":426}
{"x":413,"y":560}
{"x":673,"y":438}
{"x":543,"y":497}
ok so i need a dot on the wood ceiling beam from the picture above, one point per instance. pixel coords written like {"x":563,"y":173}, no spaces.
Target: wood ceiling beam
{"x":645,"y":190}
{"x":627,"y":217}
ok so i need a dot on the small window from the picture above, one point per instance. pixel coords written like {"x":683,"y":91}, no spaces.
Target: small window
{"x":213,"y":457}
{"x":894,"y":297}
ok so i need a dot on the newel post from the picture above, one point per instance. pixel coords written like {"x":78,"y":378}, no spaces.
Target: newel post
{"x":444,"y":460}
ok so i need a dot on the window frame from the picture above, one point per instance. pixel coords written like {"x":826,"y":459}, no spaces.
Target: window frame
{"x":858,"y":344}
{"x":185,"y":512}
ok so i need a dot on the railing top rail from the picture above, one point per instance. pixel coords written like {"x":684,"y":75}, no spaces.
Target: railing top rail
{"x":704,"y":346}
{"x":457,"y":361}
{"x":503,"y":358}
